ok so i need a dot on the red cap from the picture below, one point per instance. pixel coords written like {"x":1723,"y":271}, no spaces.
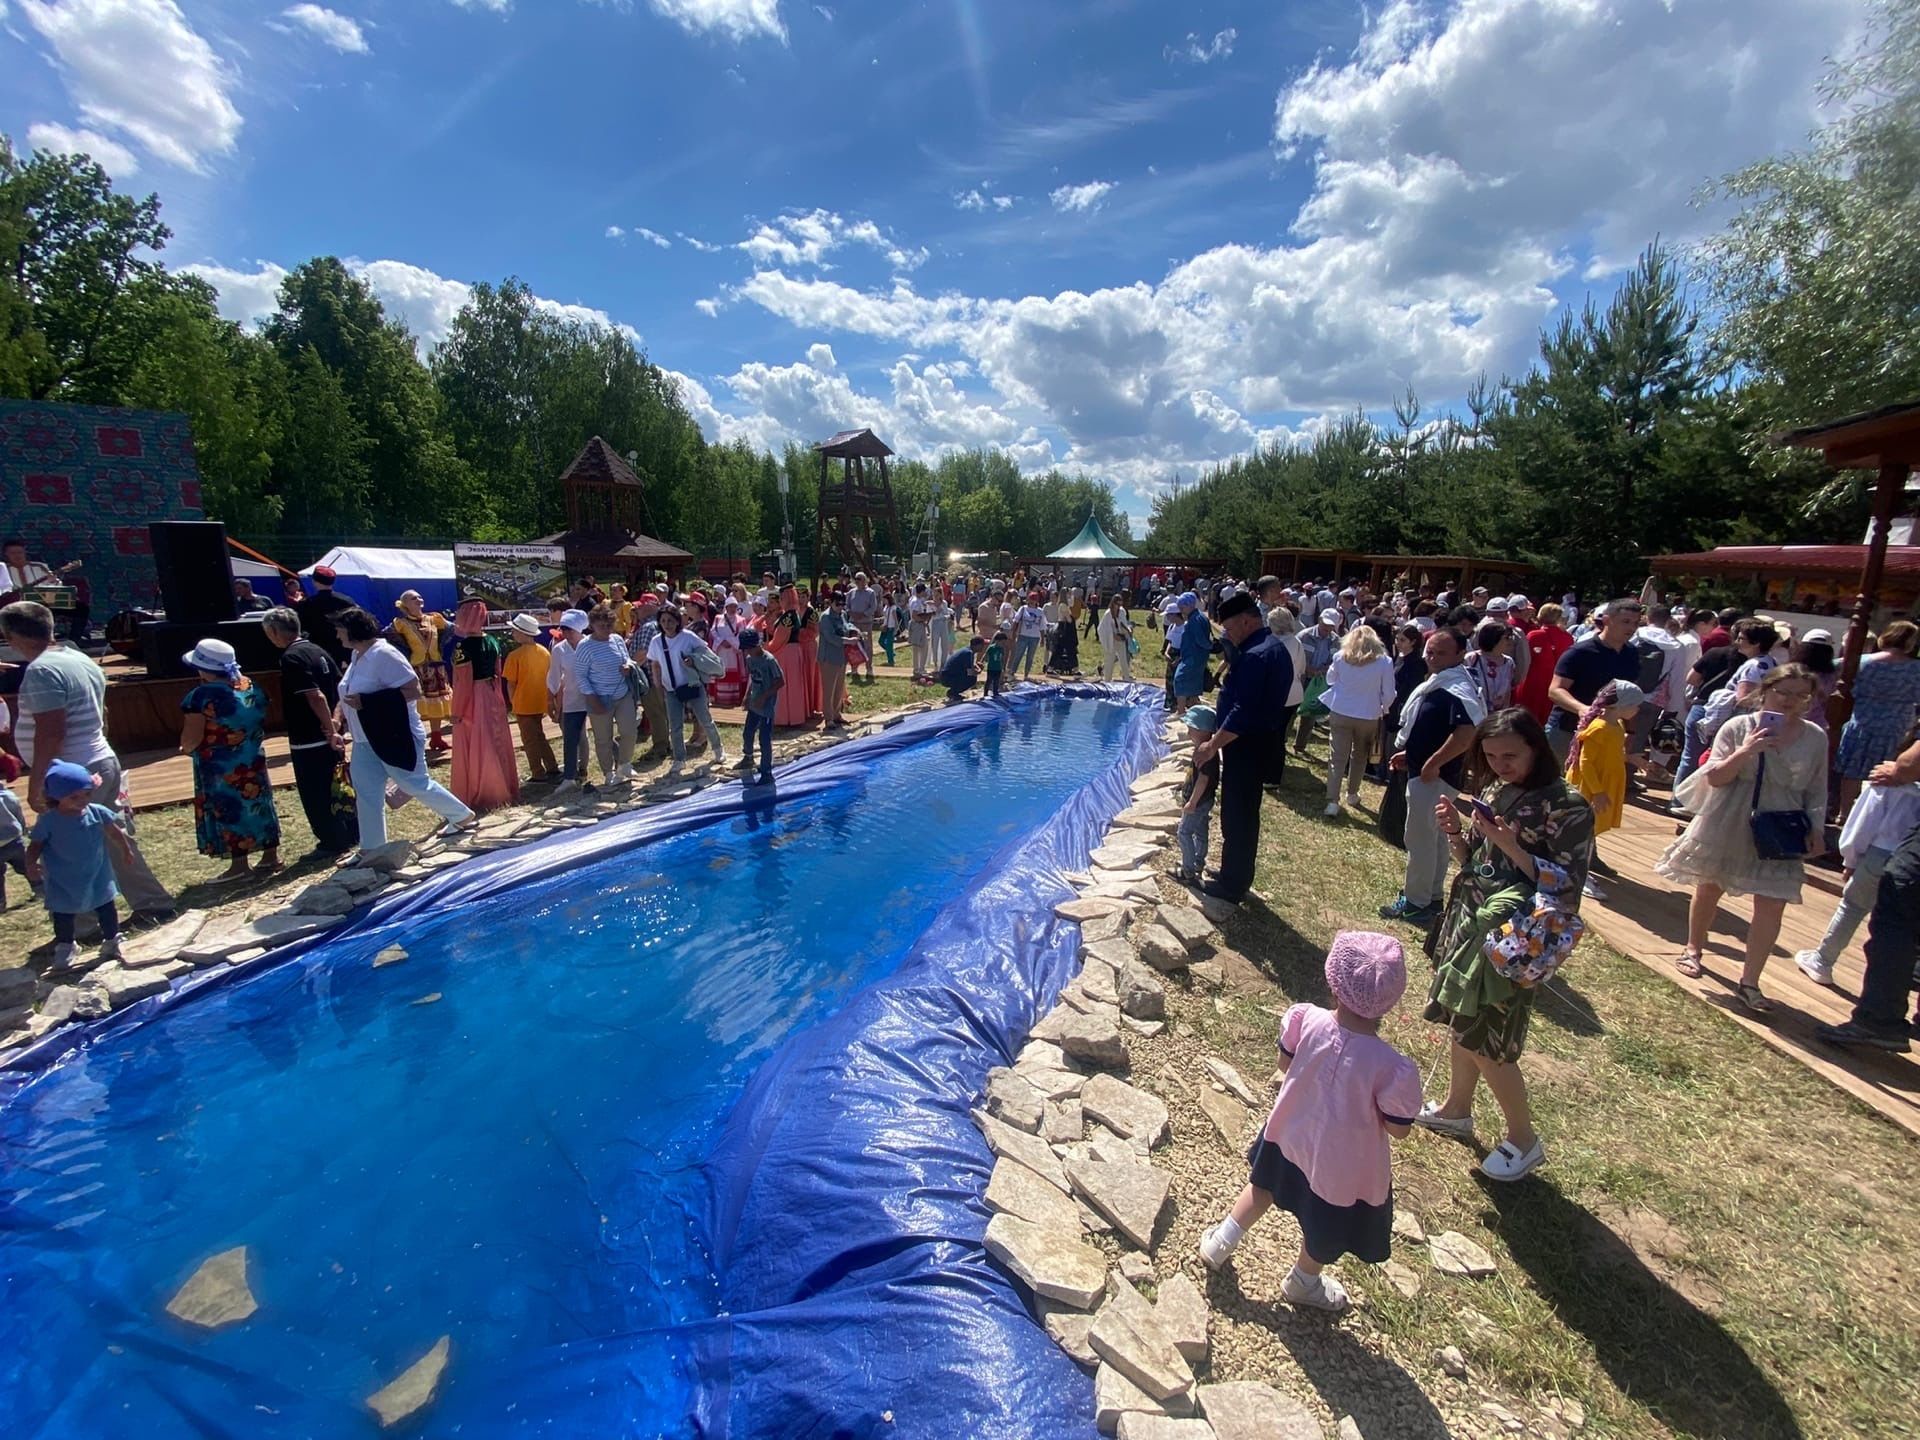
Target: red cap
{"x":323,"y":572}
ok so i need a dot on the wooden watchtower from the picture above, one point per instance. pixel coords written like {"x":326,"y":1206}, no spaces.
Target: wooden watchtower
{"x":851,"y":500}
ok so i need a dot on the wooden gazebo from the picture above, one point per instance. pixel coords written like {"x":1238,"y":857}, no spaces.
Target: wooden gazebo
{"x":606,"y":503}
{"x":851,"y":501}
{"x":1886,"y":440}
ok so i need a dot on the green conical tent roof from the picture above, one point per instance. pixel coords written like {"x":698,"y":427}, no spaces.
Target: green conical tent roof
{"x":1092,"y":543}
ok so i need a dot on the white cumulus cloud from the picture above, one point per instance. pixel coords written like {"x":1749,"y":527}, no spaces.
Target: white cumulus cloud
{"x":110,"y":155}
{"x":425,"y":301}
{"x":806,"y":237}
{"x":342,"y":32}
{"x":736,"y":19}
{"x":653,"y":235}
{"x":1081,"y":197}
{"x":1196,"y":51}
{"x":137,"y":67}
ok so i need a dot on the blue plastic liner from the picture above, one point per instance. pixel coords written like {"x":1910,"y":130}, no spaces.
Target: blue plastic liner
{"x":843,"y":1199}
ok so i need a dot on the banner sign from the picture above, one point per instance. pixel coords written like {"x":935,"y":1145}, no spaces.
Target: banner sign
{"x":511,"y":577}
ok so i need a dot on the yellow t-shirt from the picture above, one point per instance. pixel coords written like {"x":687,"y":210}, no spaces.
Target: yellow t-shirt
{"x":525,"y":671}
{"x":1601,"y":772}
{"x":623,"y":618}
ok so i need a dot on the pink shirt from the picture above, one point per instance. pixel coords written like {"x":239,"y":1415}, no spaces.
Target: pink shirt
{"x":1341,"y":1089}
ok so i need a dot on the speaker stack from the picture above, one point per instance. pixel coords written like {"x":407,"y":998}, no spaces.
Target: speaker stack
{"x":196,"y":587}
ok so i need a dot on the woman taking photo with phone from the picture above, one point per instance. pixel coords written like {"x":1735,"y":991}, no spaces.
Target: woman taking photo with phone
{"x":1526,"y":836}
{"x":1760,"y":805}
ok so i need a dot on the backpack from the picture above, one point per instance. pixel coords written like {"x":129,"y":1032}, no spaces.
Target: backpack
{"x":1653,"y":664}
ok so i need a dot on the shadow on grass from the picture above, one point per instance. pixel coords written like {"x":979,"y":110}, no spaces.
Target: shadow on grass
{"x":1566,"y":1008}
{"x":1656,"y":1345}
{"x":1382,"y":1397}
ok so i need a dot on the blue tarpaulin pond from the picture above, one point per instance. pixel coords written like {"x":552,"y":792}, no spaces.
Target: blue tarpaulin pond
{"x":662,"y":1124}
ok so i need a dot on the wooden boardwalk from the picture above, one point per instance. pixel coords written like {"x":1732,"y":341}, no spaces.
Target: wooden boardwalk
{"x":1645,"y":916}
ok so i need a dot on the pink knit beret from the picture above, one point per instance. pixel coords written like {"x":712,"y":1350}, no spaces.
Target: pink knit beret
{"x":1367,"y":972}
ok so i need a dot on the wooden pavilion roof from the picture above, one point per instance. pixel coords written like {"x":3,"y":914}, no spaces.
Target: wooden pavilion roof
{"x":1889,"y":435}
{"x":598,"y":463}
{"x":848,"y":443}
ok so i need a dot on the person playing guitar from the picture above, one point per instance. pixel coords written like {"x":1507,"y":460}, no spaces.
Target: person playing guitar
{"x":19,"y":574}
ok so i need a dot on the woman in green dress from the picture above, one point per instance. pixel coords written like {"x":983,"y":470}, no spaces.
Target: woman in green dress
{"x":1537,"y":834}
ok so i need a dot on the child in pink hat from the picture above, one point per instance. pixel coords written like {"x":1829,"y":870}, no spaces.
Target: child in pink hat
{"x":1323,"y":1153}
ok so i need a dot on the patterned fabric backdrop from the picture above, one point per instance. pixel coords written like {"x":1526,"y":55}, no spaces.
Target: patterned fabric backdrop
{"x":80,"y":482}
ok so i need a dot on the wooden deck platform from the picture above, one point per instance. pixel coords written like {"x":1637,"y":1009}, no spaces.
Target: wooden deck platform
{"x":1645,"y":916}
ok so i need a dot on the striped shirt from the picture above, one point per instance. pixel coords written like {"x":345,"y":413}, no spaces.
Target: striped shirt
{"x":599,"y":667}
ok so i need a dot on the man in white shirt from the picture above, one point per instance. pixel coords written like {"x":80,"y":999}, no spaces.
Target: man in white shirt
{"x":17,"y":572}
{"x":60,"y":714}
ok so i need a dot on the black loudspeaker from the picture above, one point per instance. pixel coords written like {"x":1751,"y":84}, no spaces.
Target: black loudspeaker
{"x":196,"y":580}
{"x":162,"y":643}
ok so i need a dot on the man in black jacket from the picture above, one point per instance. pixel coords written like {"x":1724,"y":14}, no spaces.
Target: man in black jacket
{"x":1253,"y":702}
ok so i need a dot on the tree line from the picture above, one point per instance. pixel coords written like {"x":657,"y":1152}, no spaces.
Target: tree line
{"x":1642,"y":427}
{"x":326,"y":422}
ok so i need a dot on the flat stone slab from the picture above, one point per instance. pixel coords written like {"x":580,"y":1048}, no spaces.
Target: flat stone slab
{"x":162,"y":943}
{"x":1068,"y":1329}
{"x":1029,"y":1150}
{"x":392,"y":955}
{"x":216,"y":1295}
{"x":1217,"y":909}
{"x":1012,"y":1099}
{"x":1138,"y":1348}
{"x":1015,"y":1190}
{"x":1084,"y":908}
{"x":1181,"y":1311}
{"x":1054,"y":1085}
{"x":1097,"y":983}
{"x":1129,"y":1111}
{"x":413,"y":1389}
{"x":326,"y":899}
{"x":1093,"y":1039}
{"x":356,"y":881}
{"x":1114,"y":954}
{"x":1104,"y":927}
{"x":1235,"y":1082}
{"x":1115,"y":1397}
{"x":1228,"y":1115}
{"x":222,"y":941}
{"x":1138,"y":1426}
{"x":1050,"y":1261}
{"x":1454,"y":1254}
{"x":1062,"y":1121}
{"x":390,"y":856}
{"x":74,"y":1002}
{"x":1141,"y":995}
{"x":1160,"y":947}
{"x":1248,"y":1410}
{"x":1133,"y":1196}
{"x":122,"y":986}
{"x":1191,"y":927}
{"x":1407,"y":1226}
{"x":1121,"y":855}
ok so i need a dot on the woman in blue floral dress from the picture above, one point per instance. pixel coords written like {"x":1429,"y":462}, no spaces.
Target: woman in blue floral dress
{"x":1886,"y":697}
{"x":226,"y":733}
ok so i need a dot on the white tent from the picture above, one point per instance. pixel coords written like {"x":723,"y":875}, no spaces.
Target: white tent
{"x":375,"y":577}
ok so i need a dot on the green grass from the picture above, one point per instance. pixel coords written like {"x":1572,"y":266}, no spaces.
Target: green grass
{"x":1721,"y":1243}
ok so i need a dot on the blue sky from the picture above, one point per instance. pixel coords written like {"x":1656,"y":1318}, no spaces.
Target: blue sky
{"x":1124,"y":237}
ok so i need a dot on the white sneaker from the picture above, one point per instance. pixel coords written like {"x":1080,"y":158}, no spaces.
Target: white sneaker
{"x":1332,"y":812}
{"x":1814,"y":966}
{"x":621,"y":776}
{"x":110,"y":948}
{"x":1322,"y":1291}
{"x":566,"y":787}
{"x":64,"y":953}
{"x":1506,"y":1161}
{"x":1430,"y":1118}
{"x":1215,"y":1250}
{"x":1593,"y":889}
{"x":1353,"y":798}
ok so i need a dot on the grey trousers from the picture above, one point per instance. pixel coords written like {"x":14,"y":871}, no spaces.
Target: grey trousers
{"x":1426,"y":846}
{"x":136,"y":880}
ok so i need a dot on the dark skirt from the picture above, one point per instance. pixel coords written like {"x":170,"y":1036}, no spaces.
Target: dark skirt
{"x":1330,"y":1231}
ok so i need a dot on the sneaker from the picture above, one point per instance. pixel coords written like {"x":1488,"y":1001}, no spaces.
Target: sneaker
{"x":110,"y":948}
{"x":1215,"y":1251}
{"x":1507,"y":1161}
{"x":1332,"y":812}
{"x":719,"y":757}
{"x":1593,"y":889}
{"x":65,"y":952}
{"x":622,"y":775}
{"x":1353,"y":798}
{"x":1408,"y":913}
{"x":566,"y":787}
{"x":1814,"y":966}
{"x":1321,"y":1292}
{"x":1854,"y":1033}
{"x":1430,"y":1118}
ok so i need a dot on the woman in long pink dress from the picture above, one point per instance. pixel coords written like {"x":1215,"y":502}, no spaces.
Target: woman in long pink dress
{"x":731,"y":688}
{"x":793,"y":636}
{"x":485,"y":775}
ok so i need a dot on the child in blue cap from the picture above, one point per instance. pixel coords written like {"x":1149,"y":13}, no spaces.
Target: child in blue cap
{"x":69,"y":855}
{"x":1197,"y":796}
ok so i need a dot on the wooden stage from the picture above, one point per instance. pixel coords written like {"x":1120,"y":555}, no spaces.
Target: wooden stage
{"x":1645,"y":916}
